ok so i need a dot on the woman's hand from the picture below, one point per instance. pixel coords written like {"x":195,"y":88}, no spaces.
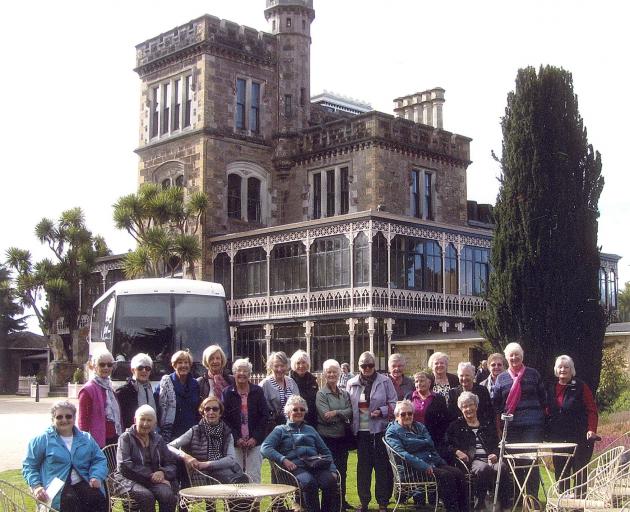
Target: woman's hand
{"x":462,"y":456}
{"x":376,"y":413}
{"x":40,"y":493}
{"x":492,"y":458}
{"x":95,"y":483}
{"x":289,"y":465}
{"x":251,"y":442}
{"x":241,"y":443}
{"x":330,"y":415}
{"x":157,"y":477}
{"x":590,"y":434}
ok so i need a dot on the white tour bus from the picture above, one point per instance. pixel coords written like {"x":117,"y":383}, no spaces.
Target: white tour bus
{"x":159,"y":317}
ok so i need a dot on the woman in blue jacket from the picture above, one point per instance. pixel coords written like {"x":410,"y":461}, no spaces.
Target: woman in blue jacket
{"x":66,"y":453}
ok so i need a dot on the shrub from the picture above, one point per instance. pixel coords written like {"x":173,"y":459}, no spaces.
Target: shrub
{"x":613,"y":378}
{"x":78,"y":377}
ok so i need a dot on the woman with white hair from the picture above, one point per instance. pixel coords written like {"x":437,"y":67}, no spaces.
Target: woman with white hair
{"x":137,"y":391}
{"x":572,"y":416}
{"x":334,"y":412}
{"x":278,"y":387}
{"x":246,"y":413}
{"x":466,"y":376}
{"x":145,"y":466}
{"x":443,"y":381}
{"x":291,"y":444}
{"x":178,"y":397}
{"x":306,"y":383}
{"x":216,"y":378}
{"x":402,"y":384}
{"x":520,"y":391}
{"x":99,"y":412}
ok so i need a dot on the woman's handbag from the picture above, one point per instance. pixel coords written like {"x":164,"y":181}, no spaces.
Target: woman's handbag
{"x":313,"y":462}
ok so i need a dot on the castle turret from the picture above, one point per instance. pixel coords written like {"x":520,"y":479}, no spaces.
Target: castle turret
{"x":290,"y":22}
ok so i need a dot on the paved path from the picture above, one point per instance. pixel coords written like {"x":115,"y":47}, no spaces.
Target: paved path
{"x":21,"y":418}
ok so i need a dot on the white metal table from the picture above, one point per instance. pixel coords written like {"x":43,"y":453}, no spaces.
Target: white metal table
{"x":238,"y":497}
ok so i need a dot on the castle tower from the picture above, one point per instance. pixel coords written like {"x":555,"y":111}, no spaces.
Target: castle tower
{"x":290,"y":21}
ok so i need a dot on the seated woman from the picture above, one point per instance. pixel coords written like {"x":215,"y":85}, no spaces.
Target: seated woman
{"x":64,"y":452}
{"x":411,"y":440}
{"x":209,"y":445}
{"x":288,"y":445}
{"x":146,"y":467}
{"x":476,"y":444}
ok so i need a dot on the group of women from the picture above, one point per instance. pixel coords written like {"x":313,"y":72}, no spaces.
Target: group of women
{"x":223,"y":425}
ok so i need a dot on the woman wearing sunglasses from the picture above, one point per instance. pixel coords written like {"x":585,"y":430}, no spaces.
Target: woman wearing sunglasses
{"x":209,"y":445}
{"x":373,"y":399}
{"x":63,"y":451}
{"x":137,"y":391}
{"x":290,"y":444}
{"x":99,"y":412}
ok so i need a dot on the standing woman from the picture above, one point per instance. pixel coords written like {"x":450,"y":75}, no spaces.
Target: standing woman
{"x":373,"y":399}
{"x":334,"y":410}
{"x":137,"y":391}
{"x":63,"y":451}
{"x":430,"y":409}
{"x":306,"y":383}
{"x":466,"y":375}
{"x":345,"y":376}
{"x":246,"y":413}
{"x":496,"y":364}
{"x":572,"y":416}
{"x":520,"y":391}
{"x":443,"y":381}
{"x":278,"y":387}
{"x":402,"y":384}
{"x":216,"y":378}
{"x":99,"y":413}
{"x":178,"y":398}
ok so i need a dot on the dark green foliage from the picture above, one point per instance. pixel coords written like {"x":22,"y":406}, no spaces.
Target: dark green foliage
{"x":623,"y":300}
{"x":614,"y":382}
{"x":543,"y":291}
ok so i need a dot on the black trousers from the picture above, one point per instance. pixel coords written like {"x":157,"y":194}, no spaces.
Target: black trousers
{"x":372,"y":456}
{"x":80,"y":497}
{"x":530,"y":434}
{"x":339,"y":450}
{"x":583,"y":454}
{"x":452,"y":488}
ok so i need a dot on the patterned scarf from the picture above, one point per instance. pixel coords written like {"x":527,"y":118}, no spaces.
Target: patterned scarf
{"x":219,"y":384}
{"x":112,"y":411}
{"x":215,"y":434}
{"x":367,"y":382}
{"x":145,"y":394}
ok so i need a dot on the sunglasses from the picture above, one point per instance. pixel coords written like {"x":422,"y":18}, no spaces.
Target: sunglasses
{"x":62,"y":416}
{"x":299,"y":409}
{"x":405,"y":414}
{"x":366,"y":366}
{"x":145,"y":368}
{"x":213,"y":408}
{"x":105,"y":365}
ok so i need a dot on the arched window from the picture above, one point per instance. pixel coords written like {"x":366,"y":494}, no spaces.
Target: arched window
{"x":222,"y":272}
{"x":166,"y":183}
{"x":234,"y":196}
{"x":169,"y":174}
{"x":179,"y":181}
{"x":450,"y":269}
{"x":330,"y":263}
{"x":250,"y":273}
{"x":253,"y":200}
{"x":361,"y":270}
{"x":288,"y":268}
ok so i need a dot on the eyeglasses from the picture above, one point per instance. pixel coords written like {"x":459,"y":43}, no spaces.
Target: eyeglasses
{"x":62,"y":416}
{"x":105,"y":365}
{"x":299,"y":409}
{"x":405,"y":414}
{"x":366,"y":366}
{"x":213,"y":408}
{"x":145,"y":368}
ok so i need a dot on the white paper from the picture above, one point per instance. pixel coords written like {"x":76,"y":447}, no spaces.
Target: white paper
{"x":53,"y":488}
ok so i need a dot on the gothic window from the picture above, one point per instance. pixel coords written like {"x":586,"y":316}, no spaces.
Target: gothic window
{"x":344,"y":207}
{"x":240,"y":103}
{"x":234,"y":196}
{"x":179,"y":181}
{"x":170,"y":106}
{"x":330,"y":263}
{"x":421,"y":191}
{"x":155,"y":111}
{"x":166,"y":183}
{"x":450,"y":269}
{"x":415,"y":193}
{"x":330,"y":192}
{"x":250,"y":273}
{"x":254,"y":109}
{"x":253,"y":199}
{"x":432,"y":281}
{"x":427,"y":203}
{"x":288,"y":268}
{"x":416,"y":264}
{"x":177,"y":106}
{"x":361,"y":270}
{"x":317,"y":195}
{"x":288,"y":22}
{"x":612,"y":290}
{"x":602,"y":287}
{"x":187,"y":100}
{"x":166,"y":107}
{"x":222,"y":272}
{"x":248,"y":98}
{"x":475,"y":270}
{"x":379,"y":261}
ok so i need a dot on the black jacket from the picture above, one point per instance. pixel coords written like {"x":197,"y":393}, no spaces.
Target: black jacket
{"x":485,"y":410}
{"x":568,"y":422}
{"x":127,"y":396}
{"x":436,"y":419}
{"x":460,"y":436}
{"x":308,"y":391}
{"x":257,"y":412}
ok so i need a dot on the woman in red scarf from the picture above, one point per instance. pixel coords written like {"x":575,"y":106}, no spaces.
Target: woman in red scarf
{"x":520,"y":391}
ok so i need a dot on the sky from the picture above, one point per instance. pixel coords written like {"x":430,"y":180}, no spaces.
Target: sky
{"x":70,"y":109}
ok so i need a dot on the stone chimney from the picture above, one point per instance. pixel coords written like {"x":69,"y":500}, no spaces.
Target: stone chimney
{"x":422,"y":107}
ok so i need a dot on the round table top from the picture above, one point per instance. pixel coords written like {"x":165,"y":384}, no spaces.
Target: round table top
{"x":539,"y":446}
{"x":237,"y":491}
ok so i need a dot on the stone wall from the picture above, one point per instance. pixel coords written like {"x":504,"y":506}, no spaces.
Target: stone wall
{"x":418,"y":355}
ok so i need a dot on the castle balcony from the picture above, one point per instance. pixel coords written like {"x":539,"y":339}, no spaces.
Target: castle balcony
{"x":359,"y":264}
{"x":382,"y":129}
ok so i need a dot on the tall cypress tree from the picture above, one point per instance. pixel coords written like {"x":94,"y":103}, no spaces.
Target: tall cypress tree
{"x":543,"y":291}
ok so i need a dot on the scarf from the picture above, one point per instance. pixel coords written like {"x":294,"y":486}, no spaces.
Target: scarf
{"x":112,"y":410}
{"x":367,"y":382}
{"x":145,"y":394}
{"x":219,"y":384}
{"x":214,"y":434}
{"x":514,"y":396}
